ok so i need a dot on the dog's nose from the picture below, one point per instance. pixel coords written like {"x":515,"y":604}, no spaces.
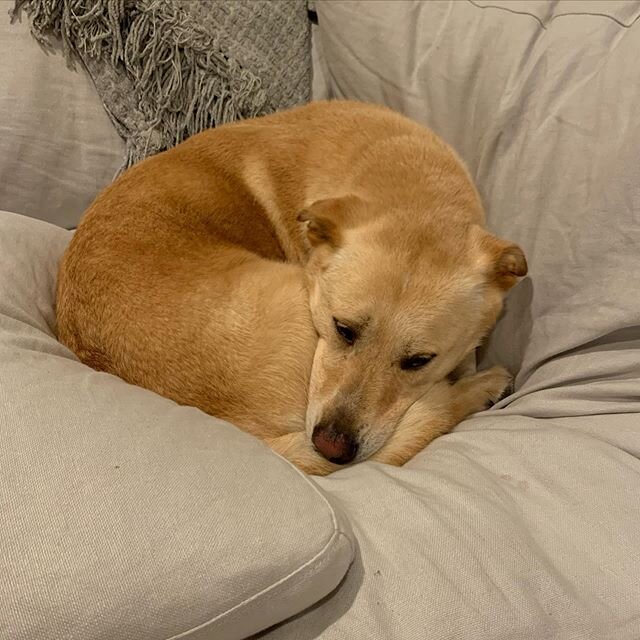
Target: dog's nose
{"x":336,"y":446}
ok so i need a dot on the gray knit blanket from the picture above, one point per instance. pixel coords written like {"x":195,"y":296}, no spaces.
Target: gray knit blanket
{"x":166,"y":69}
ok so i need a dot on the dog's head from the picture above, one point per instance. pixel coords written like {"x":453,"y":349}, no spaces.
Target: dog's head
{"x":397,"y":303}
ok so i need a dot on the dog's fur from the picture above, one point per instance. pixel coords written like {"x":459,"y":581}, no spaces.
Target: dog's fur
{"x":221,"y":272}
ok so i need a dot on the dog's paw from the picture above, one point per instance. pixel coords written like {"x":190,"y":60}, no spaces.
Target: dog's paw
{"x":482,"y":390}
{"x":497,"y":383}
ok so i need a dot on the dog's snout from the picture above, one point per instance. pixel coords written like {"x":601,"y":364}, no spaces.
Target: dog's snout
{"x":335,"y":444}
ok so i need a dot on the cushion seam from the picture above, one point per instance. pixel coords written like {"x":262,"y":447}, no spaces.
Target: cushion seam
{"x":335,"y":535}
{"x":545,"y":25}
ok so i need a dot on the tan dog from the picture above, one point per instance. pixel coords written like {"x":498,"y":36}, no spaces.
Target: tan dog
{"x":313,"y":276}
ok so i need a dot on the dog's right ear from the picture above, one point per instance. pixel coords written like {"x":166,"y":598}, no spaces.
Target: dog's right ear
{"x":326,"y":220}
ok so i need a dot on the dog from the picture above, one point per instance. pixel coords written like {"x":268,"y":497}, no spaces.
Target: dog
{"x":316,"y":276}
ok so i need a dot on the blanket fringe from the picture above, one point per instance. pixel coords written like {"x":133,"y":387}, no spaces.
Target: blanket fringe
{"x":181,"y":79}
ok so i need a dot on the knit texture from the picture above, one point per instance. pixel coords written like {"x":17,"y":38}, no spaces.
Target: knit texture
{"x":166,"y":69}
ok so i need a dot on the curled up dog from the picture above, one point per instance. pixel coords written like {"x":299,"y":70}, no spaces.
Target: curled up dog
{"x":316,"y":277}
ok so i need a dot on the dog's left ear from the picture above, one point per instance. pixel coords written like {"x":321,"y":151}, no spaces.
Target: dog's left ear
{"x":327,"y":219}
{"x":510,"y":265}
{"x":503,"y":261}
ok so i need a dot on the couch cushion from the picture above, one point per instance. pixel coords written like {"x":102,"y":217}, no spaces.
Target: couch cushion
{"x":125,"y":515}
{"x":523,"y":523}
{"x":511,"y":528}
{"x":540,"y":101}
{"x":58,"y":147}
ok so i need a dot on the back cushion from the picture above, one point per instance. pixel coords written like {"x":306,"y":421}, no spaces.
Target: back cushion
{"x":58,"y":147}
{"x":541,"y":101}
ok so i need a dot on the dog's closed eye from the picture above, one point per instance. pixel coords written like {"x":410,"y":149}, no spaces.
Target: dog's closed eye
{"x":411,"y":363}
{"x":348,"y":334}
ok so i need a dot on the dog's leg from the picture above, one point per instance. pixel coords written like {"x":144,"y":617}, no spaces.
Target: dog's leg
{"x":297,"y":448}
{"x":441,"y":409}
{"x":479,"y":391}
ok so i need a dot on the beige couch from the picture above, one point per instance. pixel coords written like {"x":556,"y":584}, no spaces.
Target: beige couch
{"x":125,"y":516}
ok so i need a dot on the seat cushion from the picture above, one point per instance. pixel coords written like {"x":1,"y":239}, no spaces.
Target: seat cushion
{"x":58,"y":147}
{"x":125,"y":515}
{"x":510,"y":528}
{"x":523,"y":522}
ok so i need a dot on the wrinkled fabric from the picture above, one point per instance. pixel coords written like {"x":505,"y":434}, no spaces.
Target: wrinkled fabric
{"x":523,"y":523}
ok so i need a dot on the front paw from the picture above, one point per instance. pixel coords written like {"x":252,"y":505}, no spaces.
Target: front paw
{"x":496,"y":383}
{"x":481,"y":390}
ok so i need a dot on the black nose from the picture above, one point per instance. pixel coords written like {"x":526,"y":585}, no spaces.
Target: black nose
{"x":337,"y":446}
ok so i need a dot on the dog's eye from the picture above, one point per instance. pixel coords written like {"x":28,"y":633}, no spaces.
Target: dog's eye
{"x":416,"y":362}
{"x":345,"y":332}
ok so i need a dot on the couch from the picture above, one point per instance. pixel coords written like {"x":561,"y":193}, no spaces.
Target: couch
{"x":125,"y":516}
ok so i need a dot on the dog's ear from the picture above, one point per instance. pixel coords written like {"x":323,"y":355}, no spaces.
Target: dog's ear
{"x":326,"y":220}
{"x":503,"y":261}
{"x":321,"y":227}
